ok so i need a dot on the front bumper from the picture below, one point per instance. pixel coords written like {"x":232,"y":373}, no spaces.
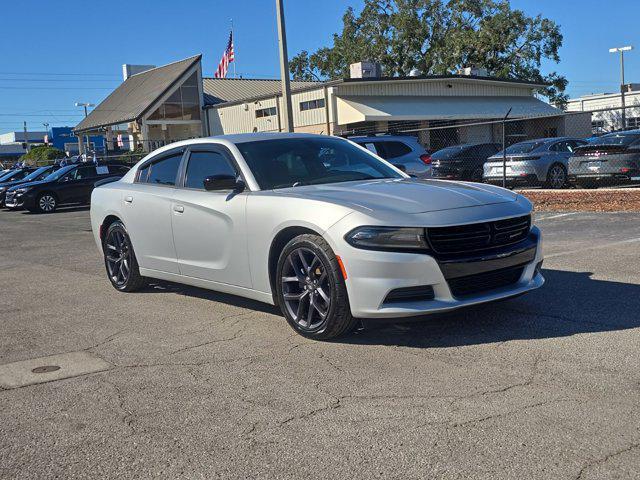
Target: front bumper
{"x":372,"y":275}
{"x":15,"y":200}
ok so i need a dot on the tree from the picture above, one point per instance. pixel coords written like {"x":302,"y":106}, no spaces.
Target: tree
{"x":439,"y":37}
{"x":43,"y":153}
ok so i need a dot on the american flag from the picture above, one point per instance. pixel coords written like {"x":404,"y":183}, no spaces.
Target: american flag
{"x":227,"y":58}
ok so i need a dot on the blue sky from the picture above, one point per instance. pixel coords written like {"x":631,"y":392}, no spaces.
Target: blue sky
{"x":55,"y":53}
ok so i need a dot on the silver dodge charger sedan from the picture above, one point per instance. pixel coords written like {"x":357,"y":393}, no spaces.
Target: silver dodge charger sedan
{"x":317,"y":225}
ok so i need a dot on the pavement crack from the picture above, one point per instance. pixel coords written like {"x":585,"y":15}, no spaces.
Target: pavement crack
{"x":606,"y":458}
{"x":108,"y":339}
{"x":127,"y":415}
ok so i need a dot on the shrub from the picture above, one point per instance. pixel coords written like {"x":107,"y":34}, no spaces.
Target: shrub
{"x":42,"y":153}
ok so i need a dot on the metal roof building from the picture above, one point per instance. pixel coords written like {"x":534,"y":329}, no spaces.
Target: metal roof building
{"x":174,"y":102}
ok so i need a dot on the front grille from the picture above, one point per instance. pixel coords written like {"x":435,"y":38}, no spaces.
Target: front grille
{"x":483,"y":282}
{"x":9,"y":197}
{"x":478,"y":236}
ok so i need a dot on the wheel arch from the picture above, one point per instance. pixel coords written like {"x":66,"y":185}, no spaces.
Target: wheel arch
{"x":283,"y":237}
{"x":106,"y":223}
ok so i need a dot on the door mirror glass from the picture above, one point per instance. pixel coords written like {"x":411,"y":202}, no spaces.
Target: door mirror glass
{"x":223,"y":182}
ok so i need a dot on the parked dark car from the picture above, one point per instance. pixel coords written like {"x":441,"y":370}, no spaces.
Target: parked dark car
{"x":541,"y":161}
{"x":72,"y":184}
{"x":462,"y":162}
{"x":34,"y":176}
{"x":612,"y":159}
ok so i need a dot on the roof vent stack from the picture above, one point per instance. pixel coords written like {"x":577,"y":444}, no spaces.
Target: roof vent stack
{"x":474,"y":72}
{"x":128,"y":70}
{"x":365,"y":69}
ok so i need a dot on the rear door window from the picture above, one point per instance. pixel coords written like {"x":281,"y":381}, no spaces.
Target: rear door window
{"x":395,"y":149}
{"x":161,"y":172}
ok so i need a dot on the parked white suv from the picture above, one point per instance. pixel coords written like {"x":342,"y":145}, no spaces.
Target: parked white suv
{"x":317,"y":225}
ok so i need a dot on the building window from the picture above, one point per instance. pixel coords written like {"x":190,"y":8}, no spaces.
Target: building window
{"x":311,"y":104}
{"x":183,"y":104}
{"x":597,"y":127}
{"x":266,"y":112}
{"x":633,"y":123}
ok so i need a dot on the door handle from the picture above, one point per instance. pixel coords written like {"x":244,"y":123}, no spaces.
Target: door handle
{"x":128,"y":199}
{"x":178,"y":208}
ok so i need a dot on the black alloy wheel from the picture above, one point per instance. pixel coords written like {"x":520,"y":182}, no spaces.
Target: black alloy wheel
{"x":556,"y":177}
{"x":120,"y":260}
{"x":311,"y":290}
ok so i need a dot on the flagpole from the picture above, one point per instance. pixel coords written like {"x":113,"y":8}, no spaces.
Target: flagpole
{"x":234,"y":50}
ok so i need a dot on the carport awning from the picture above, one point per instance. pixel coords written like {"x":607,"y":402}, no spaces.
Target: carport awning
{"x":353,"y":109}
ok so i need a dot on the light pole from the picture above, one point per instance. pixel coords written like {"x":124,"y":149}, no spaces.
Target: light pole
{"x":85,"y":105}
{"x":621,"y":50}
{"x":284,"y":69}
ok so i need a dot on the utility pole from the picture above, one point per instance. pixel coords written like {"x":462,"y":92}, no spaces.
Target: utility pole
{"x":621,"y":50}
{"x":86,"y":113}
{"x":284,"y":69}
{"x":26,"y":138}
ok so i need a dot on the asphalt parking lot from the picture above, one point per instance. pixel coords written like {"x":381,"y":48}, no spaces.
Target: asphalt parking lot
{"x":193,"y":384}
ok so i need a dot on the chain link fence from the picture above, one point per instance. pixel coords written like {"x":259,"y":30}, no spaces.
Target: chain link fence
{"x":584,"y":149}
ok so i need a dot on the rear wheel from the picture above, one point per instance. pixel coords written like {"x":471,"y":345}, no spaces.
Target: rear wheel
{"x":120,"y":259}
{"x":311,"y":290}
{"x":556,"y":177}
{"x":46,"y":203}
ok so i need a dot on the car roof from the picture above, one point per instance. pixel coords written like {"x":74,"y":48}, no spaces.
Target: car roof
{"x":382,"y":138}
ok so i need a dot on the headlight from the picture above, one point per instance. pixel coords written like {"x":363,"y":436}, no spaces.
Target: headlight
{"x":22,"y":190}
{"x":387,"y":238}
{"x":3,"y":189}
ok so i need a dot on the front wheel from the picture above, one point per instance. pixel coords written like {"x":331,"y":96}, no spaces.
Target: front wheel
{"x":311,"y":290}
{"x":120,"y":259}
{"x":46,"y":203}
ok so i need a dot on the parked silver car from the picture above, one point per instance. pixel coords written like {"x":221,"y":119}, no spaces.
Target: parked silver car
{"x":405,"y":152}
{"x":316,"y":225}
{"x":535,"y":162}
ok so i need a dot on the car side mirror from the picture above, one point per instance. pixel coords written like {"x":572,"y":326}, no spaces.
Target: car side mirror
{"x":223,"y":182}
{"x":400,"y":167}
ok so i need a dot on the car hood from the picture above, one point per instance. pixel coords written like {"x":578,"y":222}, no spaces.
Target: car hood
{"x":404,"y":195}
{"x":10,"y":184}
{"x":28,"y":184}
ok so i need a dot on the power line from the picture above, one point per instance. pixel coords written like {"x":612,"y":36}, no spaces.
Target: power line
{"x":63,"y":74}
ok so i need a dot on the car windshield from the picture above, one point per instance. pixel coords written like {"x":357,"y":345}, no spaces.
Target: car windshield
{"x":58,"y":173}
{"x":8,"y":175}
{"x":448,"y":152}
{"x":38,"y":174}
{"x":614,"y":139}
{"x":290,"y":162}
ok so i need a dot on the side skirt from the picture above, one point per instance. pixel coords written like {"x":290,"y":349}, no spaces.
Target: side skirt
{"x":209,"y":285}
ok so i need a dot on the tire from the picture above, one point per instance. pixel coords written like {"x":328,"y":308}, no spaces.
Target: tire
{"x":556,"y":177}
{"x":120,"y":259}
{"x":304,"y":283}
{"x":46,"y":203}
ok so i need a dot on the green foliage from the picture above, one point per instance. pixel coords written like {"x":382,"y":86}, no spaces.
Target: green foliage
{"x":440,"y":37}
{"x":41,"y":154}
{"x":133,"y":156}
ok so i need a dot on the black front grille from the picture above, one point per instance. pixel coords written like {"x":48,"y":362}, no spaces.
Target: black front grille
{"x":483,"y":282}
{"x":478,"y":236}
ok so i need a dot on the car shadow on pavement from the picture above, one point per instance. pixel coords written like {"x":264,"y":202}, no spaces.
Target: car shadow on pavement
{"x":161,"y":286}
{"x":70,"y":209}
{"x":569,"y":303}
